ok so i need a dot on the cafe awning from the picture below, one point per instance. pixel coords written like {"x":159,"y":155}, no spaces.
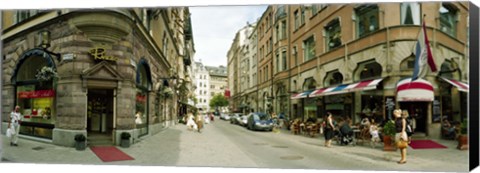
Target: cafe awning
{"x":346,"y":88}
{"x":460,"y":85}
{"x":414,"y":91}
{"x":301,"y":95}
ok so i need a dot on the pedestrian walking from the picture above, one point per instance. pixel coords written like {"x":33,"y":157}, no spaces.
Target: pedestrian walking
{"x":329,"y":128}
{"x":191,"y":122}
{"x":401,"y":135}
{"x":199,"y":122}
{"x":14,"y":125}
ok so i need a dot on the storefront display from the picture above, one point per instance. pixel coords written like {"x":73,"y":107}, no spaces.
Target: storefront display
{"x":36,"y":107}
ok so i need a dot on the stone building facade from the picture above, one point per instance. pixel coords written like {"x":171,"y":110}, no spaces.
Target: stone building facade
{"x":350,"y":59}
{"x":110,"y":65}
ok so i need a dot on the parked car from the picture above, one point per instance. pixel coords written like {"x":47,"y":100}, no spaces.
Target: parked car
{"x":243,"y":120}
{"x":224,"y":116}
{"x":235,"y":118}
{"x":259,"y":121}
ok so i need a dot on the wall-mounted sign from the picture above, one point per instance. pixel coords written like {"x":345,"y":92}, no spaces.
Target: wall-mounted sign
{"x":99,"y":54}
{"x":36,"y":94}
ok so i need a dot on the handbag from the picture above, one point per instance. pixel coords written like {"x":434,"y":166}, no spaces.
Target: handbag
{"x":402,"y":144}
{"x":9,"y":132}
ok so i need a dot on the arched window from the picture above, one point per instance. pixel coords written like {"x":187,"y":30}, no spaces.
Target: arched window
{"x":35,"y":93}
{"x":143,"y":84}
{"x":333,"y":78}
{"x":309,"y":84}
{"x":449,"y":70}
{"x":368,"y":70}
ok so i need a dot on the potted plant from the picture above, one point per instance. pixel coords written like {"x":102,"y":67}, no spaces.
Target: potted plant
{"x":125,"y":139}
{"x":388,"y":135}
{"x":463,"y":137}
{"x":80,"y":143}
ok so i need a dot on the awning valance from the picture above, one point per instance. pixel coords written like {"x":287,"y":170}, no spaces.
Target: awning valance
{"x":460,"y":85}
{"x":345,"y":88}
{"x":412,"y":91}
{"x":301,"y":95}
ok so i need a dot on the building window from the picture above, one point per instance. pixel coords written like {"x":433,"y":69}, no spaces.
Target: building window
{"x":22,"y":15}
{"x":367,"y":16}
{"x":283,"y":30}
{"x":333,"y":32}
{"x":36,"y":98}
{"x":302,"y":17}
{"x":270,"y":45}
{"x":333,"y":78}
{"x":309,"y":48}
{"x":448,"y":19}
{"x":212,"y":86}
{"x":284,"y":59}
{"x":408,"y":63}
{"x":277,"y":61}
{"x":296,"y":19}
{"x":212,"y":94}
{"x":410,"y":13}
{"x":165,"y":44}
{"x":295,"y":55}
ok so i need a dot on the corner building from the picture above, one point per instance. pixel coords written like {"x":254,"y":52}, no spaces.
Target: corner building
{"x":110,"y":64}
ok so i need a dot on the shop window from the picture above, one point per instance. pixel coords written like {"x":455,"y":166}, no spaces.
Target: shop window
{"x":309,"y":48}
{"x":333,"y":33}
{"x":410,"y":13}
{"x":35,"y":96}
{"x":367,"y":19}
{"x":448,"y":18}
{"x":143,"y":82}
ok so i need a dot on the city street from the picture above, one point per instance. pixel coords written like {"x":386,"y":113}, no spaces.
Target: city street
{"x":221,"y":144}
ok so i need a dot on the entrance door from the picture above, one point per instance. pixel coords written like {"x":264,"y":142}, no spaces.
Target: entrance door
{"x":100,"y":116}
{"x":418,"y":111}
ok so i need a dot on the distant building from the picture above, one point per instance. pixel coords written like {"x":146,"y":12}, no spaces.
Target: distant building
{"x":209,"y":81}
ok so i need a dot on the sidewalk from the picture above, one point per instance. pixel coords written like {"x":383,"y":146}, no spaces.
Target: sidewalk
{"x":171,"y":147}
{"x":174,"y":147}
{"x":448,"y":159}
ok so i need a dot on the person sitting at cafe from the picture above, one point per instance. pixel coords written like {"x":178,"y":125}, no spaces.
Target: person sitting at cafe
{"x":449,"y":129}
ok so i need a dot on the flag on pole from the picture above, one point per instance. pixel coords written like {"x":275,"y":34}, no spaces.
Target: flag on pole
{"x":423,"y":55}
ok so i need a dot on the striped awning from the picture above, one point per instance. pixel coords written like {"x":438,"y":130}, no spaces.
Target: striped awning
{"x":411,"y":91}
{"x":460,"y":85}
{"x":346,"y":88}
{"x":301,"y":95}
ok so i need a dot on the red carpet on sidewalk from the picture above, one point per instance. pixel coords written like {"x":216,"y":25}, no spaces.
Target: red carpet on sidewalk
{"x":110,"y":153}
{"x":425,"y":144}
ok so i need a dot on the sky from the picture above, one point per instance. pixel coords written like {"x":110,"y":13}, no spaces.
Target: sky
{"x":214,"y":28}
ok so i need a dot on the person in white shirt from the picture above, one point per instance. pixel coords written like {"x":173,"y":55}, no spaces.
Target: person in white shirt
{"x":14,"y":125}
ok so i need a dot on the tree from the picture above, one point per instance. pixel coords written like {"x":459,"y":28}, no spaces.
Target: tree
{"x":218,"y":101}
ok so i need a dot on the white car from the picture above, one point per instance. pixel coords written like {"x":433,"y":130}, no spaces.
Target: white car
{"x":224,"y":116}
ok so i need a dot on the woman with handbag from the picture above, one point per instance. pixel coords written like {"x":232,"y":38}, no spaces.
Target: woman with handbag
{"x":401,"y":136}
{"x":14,"y":125}
{"x":329,"y":130}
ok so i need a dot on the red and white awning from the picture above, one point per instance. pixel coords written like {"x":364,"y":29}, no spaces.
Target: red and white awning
{"x":300,"y":95}
{"x":460,"y":85}
{"x":414,"y":91}
{"x":345,"y":88}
